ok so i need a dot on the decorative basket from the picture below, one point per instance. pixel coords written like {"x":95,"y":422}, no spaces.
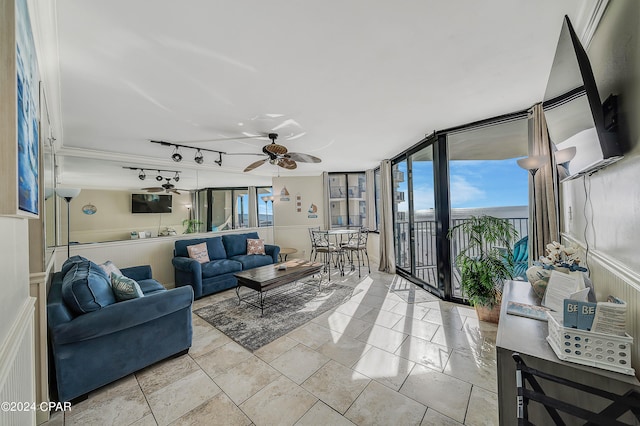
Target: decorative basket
{"x":605,"y":351}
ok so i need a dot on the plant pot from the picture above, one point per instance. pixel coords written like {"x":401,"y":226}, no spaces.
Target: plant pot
{"x":488,"y":315}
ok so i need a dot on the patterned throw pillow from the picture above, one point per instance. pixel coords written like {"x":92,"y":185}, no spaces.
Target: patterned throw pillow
{"x":199,"y":252}
{"x":110,"y":268}
{"x":255,"y":246}
{"x":125,"y":288}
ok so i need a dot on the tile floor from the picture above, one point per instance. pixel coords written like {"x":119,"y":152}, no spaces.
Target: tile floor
{"x":374,"y":360}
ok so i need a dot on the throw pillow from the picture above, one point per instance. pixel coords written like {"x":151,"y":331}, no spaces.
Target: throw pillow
{"x":86,"y":288}
{"x":255,"y":246}
{"x":199,"y":252}
{"x":125,"y":288}
{"x":108,"y":267}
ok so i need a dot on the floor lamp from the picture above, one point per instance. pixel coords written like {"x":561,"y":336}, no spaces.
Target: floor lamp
{"x":533,"y":164}
{"x":68,"y":194}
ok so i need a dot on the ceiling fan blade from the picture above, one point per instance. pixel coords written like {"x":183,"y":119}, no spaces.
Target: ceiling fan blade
{"x":255,"y":165}
{"x":153,"y":189}
{"x":285,"y":163}
{"x":304,"y":158}
{"x":275,"y":149}
{"x":175,"y":191}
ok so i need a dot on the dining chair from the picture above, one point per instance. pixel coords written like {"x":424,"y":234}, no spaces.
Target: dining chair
{"x":329,"y":251}
{"x":357,"y":244}
{"x":313,"y":254}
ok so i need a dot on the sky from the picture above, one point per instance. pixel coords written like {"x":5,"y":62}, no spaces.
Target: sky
{"x":474,"y":183}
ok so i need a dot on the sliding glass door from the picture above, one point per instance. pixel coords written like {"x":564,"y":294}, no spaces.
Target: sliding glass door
{"x":447,"y":178}
{"x":414,"y":216}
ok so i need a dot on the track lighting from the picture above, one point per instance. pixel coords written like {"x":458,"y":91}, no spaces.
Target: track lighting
{"x":159,"y":177}
{"x":177,"y":157}
{"x":176,"y":177}
{"x":199,"y":158}
{"x":142,"y":175}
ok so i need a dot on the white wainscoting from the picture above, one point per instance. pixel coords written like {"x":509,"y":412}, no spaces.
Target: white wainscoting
{"x":156,"y":252}
{"x":17,"y":368}
{"x":610,"y":277}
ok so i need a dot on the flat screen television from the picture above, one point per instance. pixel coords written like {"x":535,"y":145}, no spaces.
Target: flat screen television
{"x":150,"y":203}
{"x":574,"y":112}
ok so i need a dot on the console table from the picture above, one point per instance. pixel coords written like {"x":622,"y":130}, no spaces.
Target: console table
{"x":528,"y":337}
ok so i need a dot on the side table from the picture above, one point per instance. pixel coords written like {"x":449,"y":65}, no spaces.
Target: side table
{"x":286,"y":251}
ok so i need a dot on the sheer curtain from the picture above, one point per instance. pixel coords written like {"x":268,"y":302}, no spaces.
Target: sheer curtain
{"x":546,"y":188}
{"x":387,"y":257}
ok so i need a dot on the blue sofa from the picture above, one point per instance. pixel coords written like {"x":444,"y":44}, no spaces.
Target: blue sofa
{"x":227,"y":254}
{"x":95,"y":340}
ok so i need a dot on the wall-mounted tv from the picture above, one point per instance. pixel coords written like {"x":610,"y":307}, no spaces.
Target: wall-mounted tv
{"x":573,"y":109}
{"x":150,"y":203}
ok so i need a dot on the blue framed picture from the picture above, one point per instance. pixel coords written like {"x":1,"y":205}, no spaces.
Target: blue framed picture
{"x":28,"y":107}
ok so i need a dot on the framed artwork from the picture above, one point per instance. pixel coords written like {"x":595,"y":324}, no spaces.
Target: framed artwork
{"x":27,"y":85}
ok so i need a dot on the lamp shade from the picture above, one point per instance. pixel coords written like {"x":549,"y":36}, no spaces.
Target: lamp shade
{"x":265,"y":198}
{"x":68,"y":192}
{"x":565,"y":155}
{"x":533,"y":162}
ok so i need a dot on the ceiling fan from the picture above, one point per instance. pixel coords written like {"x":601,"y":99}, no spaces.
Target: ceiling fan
{"x":279,"y":155}
{"x":167,"y":187}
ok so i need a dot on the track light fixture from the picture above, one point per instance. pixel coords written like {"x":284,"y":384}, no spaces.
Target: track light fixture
{"x":176,"y":156}
{"x":199,"y":158}
{"x":142,"y":175}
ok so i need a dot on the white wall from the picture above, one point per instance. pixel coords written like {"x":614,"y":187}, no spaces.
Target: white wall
{"x":292,"y":227}
{"x":114,"y":220}
{"x":14,"y":264}
{"x":612,"y":201}
{"x":156,"y":252}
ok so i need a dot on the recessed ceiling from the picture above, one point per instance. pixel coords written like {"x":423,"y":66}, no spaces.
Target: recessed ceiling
{"x":350,"y":82}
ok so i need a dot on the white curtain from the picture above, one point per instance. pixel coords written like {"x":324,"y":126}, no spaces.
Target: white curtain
{"x":387,"y":256}
{"x":370,"y":200}
{"x":327,"y":210}
{"x":546,"y":188}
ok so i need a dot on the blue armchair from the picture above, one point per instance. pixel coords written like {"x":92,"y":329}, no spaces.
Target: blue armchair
{"x":95,"y":340}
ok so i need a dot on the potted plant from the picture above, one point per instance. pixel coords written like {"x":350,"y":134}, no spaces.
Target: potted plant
{"x":191,"y":224}
{"x":485,"y":262}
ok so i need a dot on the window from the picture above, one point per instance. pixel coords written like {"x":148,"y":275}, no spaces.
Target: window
{"x":264,"y":204}
{"x":241,"y":211}
{"x":347,"y":199}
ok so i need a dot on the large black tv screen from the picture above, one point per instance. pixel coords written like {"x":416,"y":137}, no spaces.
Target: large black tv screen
{"x":150,"y":203}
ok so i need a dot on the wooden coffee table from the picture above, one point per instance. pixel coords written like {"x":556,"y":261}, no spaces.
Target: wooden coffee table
{"x":270,"y":277}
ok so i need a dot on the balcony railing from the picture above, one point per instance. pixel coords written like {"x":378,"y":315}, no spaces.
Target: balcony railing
{"x":424,"y":235}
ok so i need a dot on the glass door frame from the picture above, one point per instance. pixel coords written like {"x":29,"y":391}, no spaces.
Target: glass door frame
{"x":443,"y":285}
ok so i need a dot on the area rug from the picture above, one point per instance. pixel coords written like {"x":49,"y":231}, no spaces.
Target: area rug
{"x":286,"y":308}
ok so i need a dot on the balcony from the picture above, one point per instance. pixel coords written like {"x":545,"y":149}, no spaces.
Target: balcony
{"x":425,"y":248}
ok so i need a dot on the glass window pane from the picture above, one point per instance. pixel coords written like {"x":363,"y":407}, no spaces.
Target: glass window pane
{"x":241,"y":216}
{"x":221,"y":209}
{"x":338,"y":200}
{"x":401,"y":214}
{"x":377,"y":191}
{"x":265,"y":206}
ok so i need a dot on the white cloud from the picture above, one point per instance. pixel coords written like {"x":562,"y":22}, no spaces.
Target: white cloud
{"x":463,"y":191}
